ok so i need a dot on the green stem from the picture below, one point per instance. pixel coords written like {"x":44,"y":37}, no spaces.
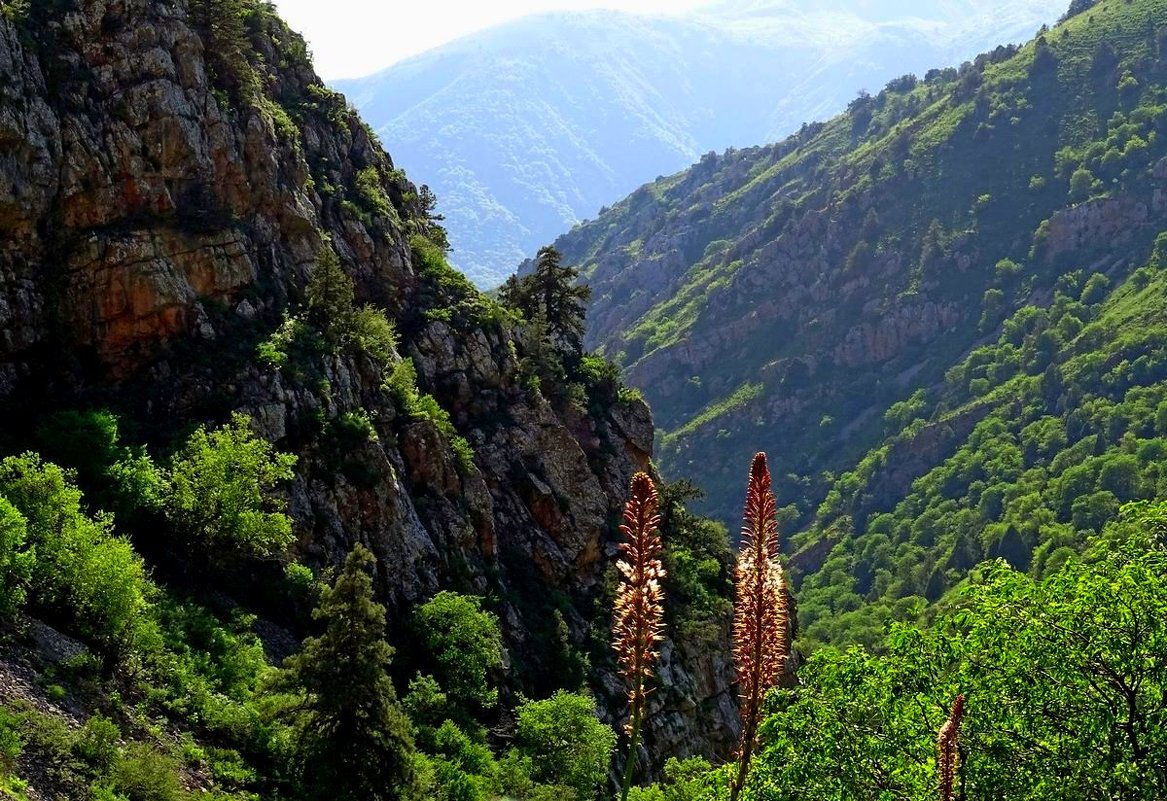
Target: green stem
{"x":633,"y":741}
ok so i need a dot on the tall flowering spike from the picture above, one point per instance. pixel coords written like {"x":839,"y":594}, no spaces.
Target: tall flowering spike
{"x":946,"y":746}
{"x":761,"y":611}
{"x":639,"y":621}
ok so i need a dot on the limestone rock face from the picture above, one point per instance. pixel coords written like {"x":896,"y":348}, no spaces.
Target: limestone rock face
{"x":1111,"y":220}
{"x":159,"y":217}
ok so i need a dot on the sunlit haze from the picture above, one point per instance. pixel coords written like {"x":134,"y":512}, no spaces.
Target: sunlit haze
{"x":350,"y":38}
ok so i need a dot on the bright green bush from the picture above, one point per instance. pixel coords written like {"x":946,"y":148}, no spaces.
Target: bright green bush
{"x":143,"y":773}
{"x":1065,"y":679}
{"x":565,"y":742}
{"x":464,"y":645}
{"x":220,"y":495}
{"x":15,"y":562}
{"x":82,"y":570}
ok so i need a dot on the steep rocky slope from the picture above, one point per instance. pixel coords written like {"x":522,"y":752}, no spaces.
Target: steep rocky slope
{"x":171,"y":173}
{"x":784,"y":297}
{"x":527,"y":128}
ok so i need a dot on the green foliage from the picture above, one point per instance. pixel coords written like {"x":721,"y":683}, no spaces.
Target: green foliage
{"x":464,"y":769}
{"x":354,"y":740}
{"x":464,"y":646}
{"x":211,"y":674}
{"x":1045,"y":433}
{"x":564,"y":742}
{"x":15,"y":562}
{"x":223,"y":27}
{"x":1083,"y":184}
{"x":697,"y":559}
{"x":551,"y":293}
{"x":143,"y":773}
{"x":276,"y":350}
{"x":425,"y":702}
{"x":331,"y":309}
{"x":691,"y":779}
{"x":97,"y":743}
{"x":11,"y":741}
{"x":371,"y":195}
{"x":220,"y":495}
{"x":448,"y":295}
{"x":331,"y":322}
{"x":1065,"y":678}
{"x":79,"y":568}
{"x":115,"y":477}
{"x":401,"y":383}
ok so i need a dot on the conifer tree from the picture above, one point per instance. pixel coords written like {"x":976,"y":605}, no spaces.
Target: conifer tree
{"x":551,"y":292}
{"x":355,"y":740}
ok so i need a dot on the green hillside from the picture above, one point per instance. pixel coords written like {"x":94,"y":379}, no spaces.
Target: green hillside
{"x":1031,"y":446}
{"x":786,"y":297}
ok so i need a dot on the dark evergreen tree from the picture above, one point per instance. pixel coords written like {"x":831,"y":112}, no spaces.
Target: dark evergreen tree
{"x":433,"y":220}
{"x":355,"y":741}
{"x":330,"y":294}
{"x":551,"y":292}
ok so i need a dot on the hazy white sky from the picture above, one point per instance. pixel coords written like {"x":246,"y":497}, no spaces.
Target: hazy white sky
{"x":350,"y":38}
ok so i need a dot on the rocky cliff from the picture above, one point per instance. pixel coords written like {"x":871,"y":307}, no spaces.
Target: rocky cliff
{"x":170,"y":174}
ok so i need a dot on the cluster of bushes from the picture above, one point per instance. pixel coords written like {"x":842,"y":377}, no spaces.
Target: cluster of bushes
{"x":329,"y":323}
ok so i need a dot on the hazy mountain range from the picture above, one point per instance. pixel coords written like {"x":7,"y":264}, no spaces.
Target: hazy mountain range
{"x":527,"y":128}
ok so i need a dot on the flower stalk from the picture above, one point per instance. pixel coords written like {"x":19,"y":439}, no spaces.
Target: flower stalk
{"x":639,"y":620}
{"x":947,"y":745}
{"x":761,"y":612}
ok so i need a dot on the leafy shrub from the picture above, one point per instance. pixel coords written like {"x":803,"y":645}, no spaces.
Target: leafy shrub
{"x":275,"y":350}
{"x":220,"y":492}
{"x":11,"y":740}
{"x":143,"y":773}
{"x":401,"y":384}
{"x":114,"y":477}
{"x":564,"y":742}
{"x":97,"y":743}
{"x":15,"y":563}
{"x":692,"y":779}
{"x":371,"y":196}
{"x":81,"y":568}
{"x":464,"y":644}
{"x":330,"y":322}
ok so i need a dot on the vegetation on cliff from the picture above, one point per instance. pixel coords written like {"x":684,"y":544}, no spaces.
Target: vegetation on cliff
{"x":288,"y":441}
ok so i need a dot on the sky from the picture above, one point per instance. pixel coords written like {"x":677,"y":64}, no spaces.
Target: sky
{"x":351,"y":38}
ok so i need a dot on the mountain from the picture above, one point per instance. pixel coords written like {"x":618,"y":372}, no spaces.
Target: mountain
{"x":525,"y":129}
{"x":929,"y":310}
{"x":230,"y":353}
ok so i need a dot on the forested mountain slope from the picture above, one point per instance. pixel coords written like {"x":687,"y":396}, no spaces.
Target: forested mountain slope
{"x":525,"y":129}
{"x":786,"y":297}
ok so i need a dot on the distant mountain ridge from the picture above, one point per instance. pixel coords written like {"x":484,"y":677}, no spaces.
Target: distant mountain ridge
{"x":941,"y":314}
{"x":525,"y":129}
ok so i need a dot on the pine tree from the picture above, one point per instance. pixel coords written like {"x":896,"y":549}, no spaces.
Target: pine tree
{"x":355,"y":743}
{"x":552,"y":293}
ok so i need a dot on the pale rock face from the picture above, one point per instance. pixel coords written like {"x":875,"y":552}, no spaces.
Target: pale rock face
{"x":152,"y":234}
{"x":1111,"y":220}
